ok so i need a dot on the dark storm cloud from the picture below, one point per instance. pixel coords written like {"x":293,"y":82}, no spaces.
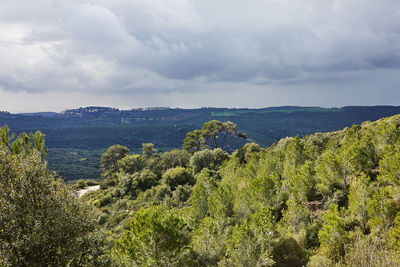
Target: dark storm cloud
{"x":136,"y":47}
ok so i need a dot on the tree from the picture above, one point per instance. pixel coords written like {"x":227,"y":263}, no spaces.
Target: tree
{"x":174,"y":158}
{"x":148,"y":150}
{"x":202,"y":191}
{"x":193,"y":141}
{"x":156,"y":237}
{"x":41,"y":222}
{"x":214,"y":134}
{"x":251,"y":241}
{"x":333,"y":235}
{"x":131,"y":163}
{"x":24,"y":143}
{"x":178,"y":176}
{"x":210,"y":159}
{"x":109,"y":160}
{"x":132,"y":184}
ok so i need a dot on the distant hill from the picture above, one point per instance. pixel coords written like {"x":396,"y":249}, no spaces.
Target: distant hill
{"x":77,"y":137}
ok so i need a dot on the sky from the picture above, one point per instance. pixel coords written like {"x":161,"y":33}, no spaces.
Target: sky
{"x":58,"y":54}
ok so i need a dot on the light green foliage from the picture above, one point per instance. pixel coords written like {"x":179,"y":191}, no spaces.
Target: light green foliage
{"x":221,"y":202}
{"x":5,"y":136}
{"x":320,"y":199}
{"x":295,"y":218}
{"x":302,"y":182}
{"x":209,"y":241}
{"x":394,"y":234}
{"x":294,"y":157}
{"x":41,"y":223}
{"x":156,"y":237}
{"x":210,"y":159}
{"x":358,"y":201}
{"x":370,"y":251}
{"x":251,"y":241}
{"x":333,"y":234}
{"x":382,"y":210}
{"x":389,"y":166}
{"x":177,"y":176}
{"x":333,"y":174}
{"x":200,"y":198}
{"x":131,"y":163}
{"x":24,"y":144}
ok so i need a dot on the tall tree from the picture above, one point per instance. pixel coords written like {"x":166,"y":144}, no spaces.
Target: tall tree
{"x":213,"y":134}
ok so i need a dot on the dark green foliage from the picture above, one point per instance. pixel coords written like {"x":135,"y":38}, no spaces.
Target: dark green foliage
{"x":210,"y":159}
{"x":97,"y":128}
{"x":131,"y":163}
{"x":288,"y":253}
{"x":41,"y":223}
{"x":109,"y":162}
{"x":174,"y":158}
{"x":247,"y":151}
{"x":132,"y":184}
{"x":177,"y":176}
{"x":214,"y":134}
{"x":193,"y":141}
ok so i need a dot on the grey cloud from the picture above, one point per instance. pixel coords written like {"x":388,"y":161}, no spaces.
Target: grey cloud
{"x":170,"y":46}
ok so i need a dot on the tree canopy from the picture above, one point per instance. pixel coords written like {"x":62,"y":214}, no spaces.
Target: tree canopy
{"x":214,"y":134}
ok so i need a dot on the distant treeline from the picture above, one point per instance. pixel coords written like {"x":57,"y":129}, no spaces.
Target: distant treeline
{"x":96,"y":128}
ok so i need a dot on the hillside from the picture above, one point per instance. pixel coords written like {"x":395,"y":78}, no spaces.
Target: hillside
{"x":76,"y":138}
{"x":327,"y":199}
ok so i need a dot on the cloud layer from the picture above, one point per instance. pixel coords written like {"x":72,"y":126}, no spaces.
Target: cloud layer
{"x":279,"y":49}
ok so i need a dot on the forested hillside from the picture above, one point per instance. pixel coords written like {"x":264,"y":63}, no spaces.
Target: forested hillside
{"x":327,"y":199}
{"x":76,"y":138}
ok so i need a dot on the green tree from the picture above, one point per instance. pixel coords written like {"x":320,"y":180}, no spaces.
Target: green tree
{"x":156,"y":237}
{"x":210,"y":159}
{"x":131,"y":163}
{"x":215,"y":130}
{"x":251,"y":241}
{"x":109,"y":160}
{"x":333,"y":236}
{"x":202,"y":192}
{"x":193,"y":141}
{"x":148,"y":150}
{"x":177,"y":176}
{"x":41,"y":222}
{"x":132,"y":184}
{"x":214,"y":134}
{"x":175,"y":158}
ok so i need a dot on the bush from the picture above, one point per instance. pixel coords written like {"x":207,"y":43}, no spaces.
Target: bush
{"x":177,"y":176}
{"x":211,"y":159}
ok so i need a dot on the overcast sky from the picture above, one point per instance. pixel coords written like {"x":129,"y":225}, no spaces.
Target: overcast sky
{"x":193,"y":53}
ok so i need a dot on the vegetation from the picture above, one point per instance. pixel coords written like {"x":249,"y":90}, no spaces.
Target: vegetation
{"x":77,"y":138}
{"x":327,"y":199}
{"x":41,"y":223}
